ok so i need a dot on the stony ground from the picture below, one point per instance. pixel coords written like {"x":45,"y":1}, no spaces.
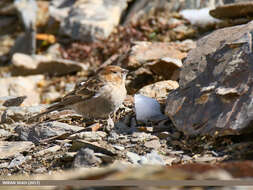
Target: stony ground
{"x":63,"y":140}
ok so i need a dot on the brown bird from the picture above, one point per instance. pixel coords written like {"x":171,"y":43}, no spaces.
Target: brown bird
{"x":97,"y":97}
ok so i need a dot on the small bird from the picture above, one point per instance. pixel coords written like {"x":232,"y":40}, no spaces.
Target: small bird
{"x":96,"y":97}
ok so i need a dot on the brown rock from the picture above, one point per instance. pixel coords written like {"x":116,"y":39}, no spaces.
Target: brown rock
{"x":143,"y":52}
{"x":39,"y":64}
{"x":10,"y":149}
{"x":233,"y":10}
{"x":196,"y":60}
{"x":159,"y":90}
{"x":219,"y":99}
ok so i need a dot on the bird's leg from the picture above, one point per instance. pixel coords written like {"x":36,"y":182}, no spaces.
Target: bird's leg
{"x":110,"y":124}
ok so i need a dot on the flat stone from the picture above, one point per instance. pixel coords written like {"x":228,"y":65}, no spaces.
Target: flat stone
{"x":20,"y":159}
{"x":97,"y":147}
{"x":22,"y":86}
{"x":233,"y":10}
{"x":133,"y":158}
{"x":23,"y":64}
{"x":48,"y":150}
{"x":45,"y":130}
{"x":10,"y":149}
{"x":144,"y":52}
{"x":90,"y":136}
{"x":159,"y":90}
{"x":16,"y":114}
{"x":155,"y":144}
{"x":99,"y":17}
{"x":8,"y":101}
{"x":4,"y":133}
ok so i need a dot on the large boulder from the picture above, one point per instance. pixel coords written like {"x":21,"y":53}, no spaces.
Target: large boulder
{"x":216,"y":90}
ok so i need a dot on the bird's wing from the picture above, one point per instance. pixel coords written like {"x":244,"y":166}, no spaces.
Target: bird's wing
{"x":84,"y":90}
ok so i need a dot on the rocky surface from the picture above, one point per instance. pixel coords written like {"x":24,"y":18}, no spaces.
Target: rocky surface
{"x":207,"y":89}
{"x":218,"y":100}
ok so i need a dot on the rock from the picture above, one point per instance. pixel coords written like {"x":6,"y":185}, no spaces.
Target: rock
{"x":147,"y":109}
{"x":218,"y":100}
{"x":89,"y":20}
{"x":10,"y":149}
{"x":152,"y":158}
{"x":22,"y":86}
{"x":45,"y":130}
{"x":20,"y":159}
{"x":139,"y":9}
{"x":144,"y":52}
{"x":149,"y":61}
{"x":154,"y":144}
{"x":8,"y":101}
{"x":48,"y":150}
{"x":90,"y":136}
{"x":204,"y":158}
{"x":40,"y":170}
{"x":86,"y":158}
{"x":199,"y":17}
{"x":196,"y":61}
{"x":118,"y":147}
{"x":7,"y":8}
{"x":97,"y":147}
{"x":4,"y":133}
{"x":166,"y":67}
{"x":142,"y":137}
{"x":15,"y":114}
{"x":133,"y":158}
{"x":105,"y":158}
{"x":233,"y":10}
{"x":27,"y":11}
{"x":43,"y":64}
{"x":159,"y":90}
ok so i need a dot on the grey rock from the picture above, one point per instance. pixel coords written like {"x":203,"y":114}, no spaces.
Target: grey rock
{"x":88,"y":20}
{"x":40,"y":170}
{"x":4,"y":165}
{"x":4,"y":133}
{"x":16,"y":114}
{"x":141,"y":8}
{"x":27,"y":11}
{"x":10,"y":149}
{"x":133,"y":158}
{"x":152,"y":158}
{"x":8,"y":101}
{"x":219,"y":99}
{"x":97,"y":147}
{"x":18,"y":160}
{"x":118,"y":147}
{"x":48,"y":150}
{"x":159,"y":90}
{"x":23,"y":64}
{"x":155,"y":144}
{"x":105,"y":158}
{"x":89,"y":136}
{"x":86,"y":158}
{"x":45,"y":130}
{"x":22,"y":86}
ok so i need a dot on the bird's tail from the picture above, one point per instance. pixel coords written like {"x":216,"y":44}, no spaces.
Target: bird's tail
{"x":57,"y":106}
